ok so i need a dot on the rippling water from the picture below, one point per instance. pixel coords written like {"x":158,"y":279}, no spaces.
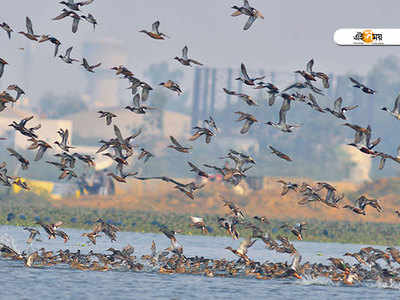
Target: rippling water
{"x":61,"y":282}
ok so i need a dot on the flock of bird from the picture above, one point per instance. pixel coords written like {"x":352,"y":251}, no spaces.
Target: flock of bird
{"x":367,"y":267}
{"x":121,"y":149}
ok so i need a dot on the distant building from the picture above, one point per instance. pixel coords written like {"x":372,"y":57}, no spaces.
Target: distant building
{"x":89,"y":125}
{"x":47,"y":132}
{"x":102,"y":87}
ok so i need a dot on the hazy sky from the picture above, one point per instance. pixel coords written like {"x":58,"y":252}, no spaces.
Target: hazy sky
{"x":291,"y":33}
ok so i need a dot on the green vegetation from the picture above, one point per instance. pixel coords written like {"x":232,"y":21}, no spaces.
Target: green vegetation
{"x":27,"y":206}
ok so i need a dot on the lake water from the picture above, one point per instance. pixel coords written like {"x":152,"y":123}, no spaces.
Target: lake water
{"x":61,"y":282}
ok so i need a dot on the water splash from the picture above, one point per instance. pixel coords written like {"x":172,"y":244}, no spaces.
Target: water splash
{"x":384,"y":284}
{"x":308,"y":280}
{"x":8,"y":240}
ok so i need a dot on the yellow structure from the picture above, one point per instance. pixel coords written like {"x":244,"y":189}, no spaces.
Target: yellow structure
{"x":40,"y":187}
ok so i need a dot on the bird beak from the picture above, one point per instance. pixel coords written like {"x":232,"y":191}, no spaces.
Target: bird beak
{"x":297,"y":275}
{"x":299,"y":237}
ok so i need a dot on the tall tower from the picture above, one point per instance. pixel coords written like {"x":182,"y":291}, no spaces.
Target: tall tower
{"x":102,"y":87}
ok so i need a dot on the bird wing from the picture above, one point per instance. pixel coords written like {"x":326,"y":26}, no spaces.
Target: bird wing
{"x":246,"y":4}
{"x":65,"y":137}
{"x":382,"y":163}
{"x":85,"y":63}
{"x":40,"y":153}
{"x":282,"y":116}
{"x":155,"y":26}
{"x":244,"y":71}
{"x":244,"y":245}
{"x":75,"y":23}
{"x":249,"y":22}
{"x":310,"y":65}
{"x":56,"y":49}
{"x":96,"y":66}
{"x":136,"y":100}
{"x":196,"y":219}
{"x":358,"y":84}
{"x":175,"y":142}
{"x":29,"y":27}
{"x":338,"y":104}
{"x":230,"y":92}
{"x":312,"y":99}
{"x":246,"y":127}
{"x":271,"y":100}
{"x":296,"y":261}
{"x":118,"y":134}
{"x":185,"y":53}
{"x":396,"y":107}
{"x":346,"y":108}
{"x":195,"y":62}
{"x":68,"y":52}
{"x":195,"y":136}
{"x":145,"y":94}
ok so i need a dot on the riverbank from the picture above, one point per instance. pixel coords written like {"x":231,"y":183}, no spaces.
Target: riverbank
{"x":142,"y":221}
{"x":145,"y":210}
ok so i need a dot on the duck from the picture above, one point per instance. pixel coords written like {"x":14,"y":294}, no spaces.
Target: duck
{"x":91,"y":19}
{"x":32,"y":234}
{"x":91,"y":236}
{"x":361,"y":86}
{"x":107,"y":115}
{"x":324,"y":77}
{"x":245,"y":77}
{"x":247,"y":10}
{"x":145,"y":155}
{"x":42,"y":147}
{"x":2,"y":64}
{"x":279,"y":154}
{"x":89,"y":68}
{"x":184,"y":60}
{"x":29,"y":34}
{"x":395,"y":112}
{"x":199,"y":131}
{"x":16,"y":88}
{"x":155,"y":34}
{"x":338,"y":110}
{"x":250,"y":120}
{"x":357,"y":256}
{"x":177,"y":146}
{"x":75,"y":5}
{"x":243,"y":249}
{"x":30,"y":259}
{"x":24,"y":162}
{"x":356,"y":210}
{"x":173,"y":86}
{"x":296,"y":229}
{"x":313,"y":103}
{"x":67,"y":57}
{"x":197,"y":170}
{"x":52,"y":40}
{"x":287,"y":186}
{"x":198,"y":223}
{"x":7,"y":29}
{"x":282,"y":125}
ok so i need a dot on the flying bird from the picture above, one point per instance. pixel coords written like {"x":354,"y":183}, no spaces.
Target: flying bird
{"x":184,"y":60}
{"x":155,"y":34}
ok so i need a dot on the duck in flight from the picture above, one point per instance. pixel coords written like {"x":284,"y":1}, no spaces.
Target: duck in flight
{"x":155,"y":34}
{"x":184,"y":60}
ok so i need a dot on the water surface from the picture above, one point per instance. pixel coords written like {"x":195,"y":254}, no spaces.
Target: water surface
{"x":61,"y":282}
